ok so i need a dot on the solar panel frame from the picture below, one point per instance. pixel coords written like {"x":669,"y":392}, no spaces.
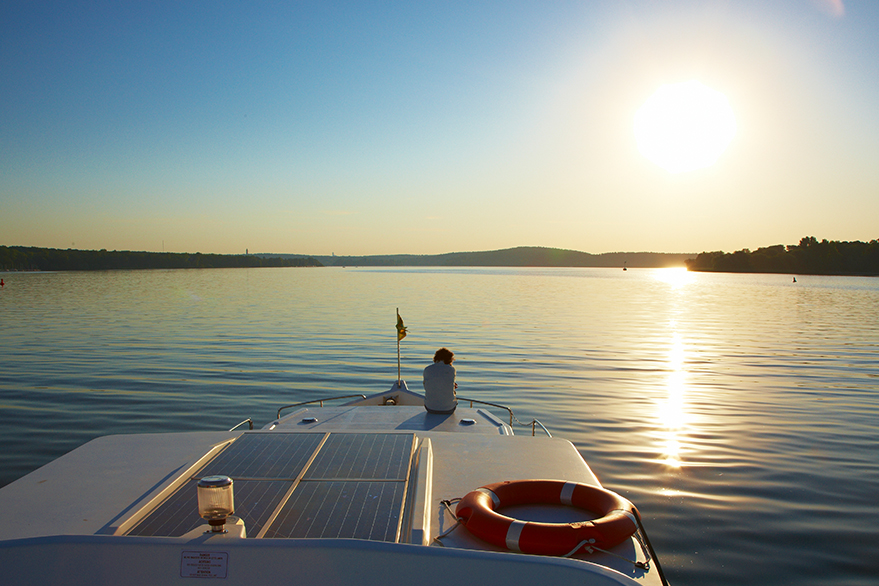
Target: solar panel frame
{"x":288,"y":485}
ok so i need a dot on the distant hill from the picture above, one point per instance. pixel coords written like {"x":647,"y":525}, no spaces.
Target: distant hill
{"x":523,"y":256}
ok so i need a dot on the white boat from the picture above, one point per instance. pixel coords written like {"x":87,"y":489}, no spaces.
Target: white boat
{"x":364,"y":492}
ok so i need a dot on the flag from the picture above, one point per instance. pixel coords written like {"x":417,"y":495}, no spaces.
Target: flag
{"x":401,"y":329}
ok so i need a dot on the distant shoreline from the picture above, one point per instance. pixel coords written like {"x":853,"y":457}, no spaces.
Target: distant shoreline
{"x":20,"y":258}
{"x":808,"y":257}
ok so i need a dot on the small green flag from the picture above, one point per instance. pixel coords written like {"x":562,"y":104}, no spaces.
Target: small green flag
{"x":401,"y":329}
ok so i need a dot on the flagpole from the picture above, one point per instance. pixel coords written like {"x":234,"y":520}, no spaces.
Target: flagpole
{"x":399,"y":376}
{"x":401,"y":333}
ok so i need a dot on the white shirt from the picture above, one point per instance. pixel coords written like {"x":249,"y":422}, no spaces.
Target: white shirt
{"x":439,"y":387}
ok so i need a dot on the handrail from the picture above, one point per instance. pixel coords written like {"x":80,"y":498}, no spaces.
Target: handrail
{"x":321,"y":401}
{"x":248,"y":420}
{"x":533,"y":423}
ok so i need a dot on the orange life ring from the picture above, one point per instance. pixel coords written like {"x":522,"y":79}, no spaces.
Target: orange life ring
{"x":477,"y":511}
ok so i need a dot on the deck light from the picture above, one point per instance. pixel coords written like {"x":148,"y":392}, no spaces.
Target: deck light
{"x":215,"y":501}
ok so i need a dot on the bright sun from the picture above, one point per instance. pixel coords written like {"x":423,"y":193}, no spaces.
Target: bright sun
{"x":684,"y":126}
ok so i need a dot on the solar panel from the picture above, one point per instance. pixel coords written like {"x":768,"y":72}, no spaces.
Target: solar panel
{"x":353,"y":485}
{"x":359,"y":510}
{"x":362,"y":456}
{"x":264,"y":455}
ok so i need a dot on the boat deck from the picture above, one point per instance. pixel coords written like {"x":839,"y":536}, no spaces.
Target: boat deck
{"x":378,"y":474}
{"x":392,"y":418}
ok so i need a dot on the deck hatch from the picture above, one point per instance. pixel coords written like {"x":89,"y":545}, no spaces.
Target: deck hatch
{"x":347,"y":485}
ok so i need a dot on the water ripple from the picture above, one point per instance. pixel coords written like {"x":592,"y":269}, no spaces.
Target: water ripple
{"x":737,"y":411}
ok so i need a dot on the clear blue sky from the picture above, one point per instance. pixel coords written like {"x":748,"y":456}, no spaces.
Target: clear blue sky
{"x":419,"y":127}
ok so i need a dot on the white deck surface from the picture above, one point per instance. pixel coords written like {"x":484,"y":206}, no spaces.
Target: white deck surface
{"x":98,"y":485}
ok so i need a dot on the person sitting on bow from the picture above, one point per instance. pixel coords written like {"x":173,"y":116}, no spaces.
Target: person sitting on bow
{"x":439,"y":383}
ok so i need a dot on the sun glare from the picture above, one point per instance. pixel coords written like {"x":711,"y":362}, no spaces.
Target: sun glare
{"x":676,"y":277}
{"x":684,"y":126}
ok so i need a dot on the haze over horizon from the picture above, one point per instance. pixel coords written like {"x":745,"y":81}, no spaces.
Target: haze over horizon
{"x":428,"y":128}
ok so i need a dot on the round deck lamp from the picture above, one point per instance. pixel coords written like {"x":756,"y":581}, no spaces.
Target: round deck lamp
{"x":215,"y":501}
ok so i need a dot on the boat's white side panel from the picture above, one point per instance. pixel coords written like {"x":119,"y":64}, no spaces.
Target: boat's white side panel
{"x":89,"y":560}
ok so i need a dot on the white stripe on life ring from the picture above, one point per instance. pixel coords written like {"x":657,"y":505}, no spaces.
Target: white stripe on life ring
{"x":567,"y":496}
{"x":630,"y":516}
{"x":494,"y":497}
{"x":513,"y":534}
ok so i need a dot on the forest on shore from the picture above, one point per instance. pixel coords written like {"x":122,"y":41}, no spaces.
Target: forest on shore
{"x":21,"y":258}
{"x":809,"y":257}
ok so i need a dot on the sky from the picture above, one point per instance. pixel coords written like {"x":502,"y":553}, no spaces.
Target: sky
{"x":363,"y":128}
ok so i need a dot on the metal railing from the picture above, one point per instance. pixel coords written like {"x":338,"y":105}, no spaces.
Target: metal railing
{"x":321,"y":401}
{"x":533,"y":423}
{"x":248,"y":420}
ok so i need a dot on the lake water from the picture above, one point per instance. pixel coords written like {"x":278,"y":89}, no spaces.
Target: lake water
{"x":739,"y":412}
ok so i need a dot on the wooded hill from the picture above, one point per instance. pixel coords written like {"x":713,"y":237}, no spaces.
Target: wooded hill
{"x":21,"y":258}
{"x":523,"y":256}
{"x":809,"y":257}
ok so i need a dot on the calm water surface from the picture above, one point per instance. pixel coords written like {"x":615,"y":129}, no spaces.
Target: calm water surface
{"x":739,"y":412}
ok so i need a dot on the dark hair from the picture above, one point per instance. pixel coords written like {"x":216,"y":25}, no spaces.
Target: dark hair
{"x":445,"y":355}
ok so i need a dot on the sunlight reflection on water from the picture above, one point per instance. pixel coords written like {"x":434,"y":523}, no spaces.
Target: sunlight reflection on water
{"x":672,"y":414}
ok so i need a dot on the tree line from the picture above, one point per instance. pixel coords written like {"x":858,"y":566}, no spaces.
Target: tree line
{"x":21,"y":258}
{"x":809,"y":257}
